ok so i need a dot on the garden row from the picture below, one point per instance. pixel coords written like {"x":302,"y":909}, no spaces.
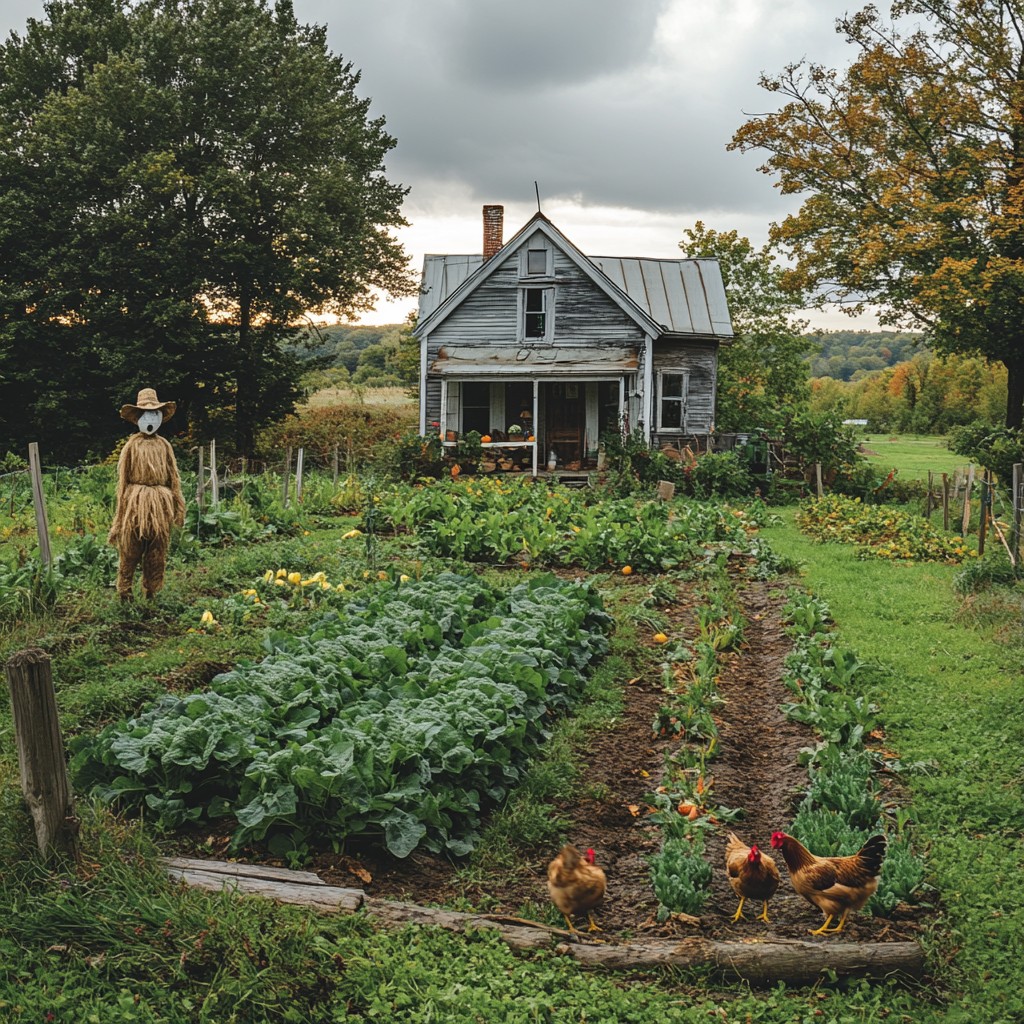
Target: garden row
{"x":398,"y":717}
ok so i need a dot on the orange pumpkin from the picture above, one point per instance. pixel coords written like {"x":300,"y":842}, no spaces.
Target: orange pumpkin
{"x":486,"y":439}
{"x":530,"y":438}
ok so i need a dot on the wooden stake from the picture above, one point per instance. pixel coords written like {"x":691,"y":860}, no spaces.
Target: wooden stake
{"x":39,"y":501}
{"x":945,"y":502}
{"x":334,"y":466}
{"x":201,"y":481}
{"x":298,"y":475}
{"x":44,"y":774}
{"x":1018,"y":500}
{"x":928,"y":499}
{"x":817,"y":479}
{"x":983,"y":514}
{"x":214,"y":484}
{"x":287,"y":473}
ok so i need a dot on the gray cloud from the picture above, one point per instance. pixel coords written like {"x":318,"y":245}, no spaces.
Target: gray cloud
{"x":621,"y":103}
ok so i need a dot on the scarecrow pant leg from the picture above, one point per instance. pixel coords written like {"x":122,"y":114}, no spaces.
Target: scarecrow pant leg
{"x":153,"y":562}
{"x":131,"y":550}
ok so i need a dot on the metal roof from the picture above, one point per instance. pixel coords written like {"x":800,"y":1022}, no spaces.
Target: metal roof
{"x":681,"y":296}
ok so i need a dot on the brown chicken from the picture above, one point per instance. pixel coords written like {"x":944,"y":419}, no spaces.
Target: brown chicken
{"x":752,"y":874}
{"x":835,"y":885}
{"x":576,"y":884}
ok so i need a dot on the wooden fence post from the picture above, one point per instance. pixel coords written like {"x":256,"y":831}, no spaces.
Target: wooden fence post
{"x":945,"y":502}
{"x":287,"y":473}
{"x":983,"y":513}
{"x":1018,"y":500}
{"x":817,"y":479}
{"x":334,"y":466}
{"x":298,"y":474}
{"x":44,"y":774}
{"x":928,"y":499}
{"x":201,"y":481}
{"x":965,"y":523}
{"x":39,"y":501}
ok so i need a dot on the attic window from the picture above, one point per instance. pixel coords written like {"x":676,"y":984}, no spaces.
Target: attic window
{"x":536,"y":261}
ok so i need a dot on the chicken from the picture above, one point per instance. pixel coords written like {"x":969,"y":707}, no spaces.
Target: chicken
{"x":751,"y":874}
{"x":576,"y":884}
{"x":835,"y":885}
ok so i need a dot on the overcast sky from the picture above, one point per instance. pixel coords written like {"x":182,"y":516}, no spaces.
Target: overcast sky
{"x":620,"y":110}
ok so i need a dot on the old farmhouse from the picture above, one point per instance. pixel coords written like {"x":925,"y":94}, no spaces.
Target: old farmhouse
{"x":543,"y":350}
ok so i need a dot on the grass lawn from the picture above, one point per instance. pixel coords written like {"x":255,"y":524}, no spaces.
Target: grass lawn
{"x":951,"y":691}
{"x":912,"y":455}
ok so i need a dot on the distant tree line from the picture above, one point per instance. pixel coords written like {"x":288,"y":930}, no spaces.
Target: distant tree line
{"x":851,"y":355}
{"x":927,"y":394}
{"x":384,"y":355}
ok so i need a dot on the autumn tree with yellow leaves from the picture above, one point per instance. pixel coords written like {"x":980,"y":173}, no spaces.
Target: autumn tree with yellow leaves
{"x":912,"y":163}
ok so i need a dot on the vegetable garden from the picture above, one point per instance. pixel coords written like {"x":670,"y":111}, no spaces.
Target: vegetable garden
{"x":423,"y":689}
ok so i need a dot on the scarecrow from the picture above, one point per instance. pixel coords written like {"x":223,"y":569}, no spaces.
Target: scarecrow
{"x":149,"y":497}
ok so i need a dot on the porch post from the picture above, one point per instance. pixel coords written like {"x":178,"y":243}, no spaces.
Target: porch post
{"x":443,"y":418}
{"x":648,"y":404}
{"x":623,"y":411}
{"x":536,"y":427}
{"x":423,"y":387}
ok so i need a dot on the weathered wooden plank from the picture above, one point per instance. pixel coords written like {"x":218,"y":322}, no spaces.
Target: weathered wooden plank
{"x":234,"y":868}
{"x":329,"y":899}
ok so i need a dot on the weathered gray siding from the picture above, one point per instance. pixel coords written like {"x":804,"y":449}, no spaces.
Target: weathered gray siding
{"x":701,"y":363}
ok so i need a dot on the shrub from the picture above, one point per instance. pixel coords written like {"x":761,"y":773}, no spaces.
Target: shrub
{"x":359,"y":431}
{"x":719,"y":473}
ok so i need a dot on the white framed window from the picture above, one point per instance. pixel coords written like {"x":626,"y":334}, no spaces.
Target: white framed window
{"x":673,"y":386}
{"x":536,"y":309}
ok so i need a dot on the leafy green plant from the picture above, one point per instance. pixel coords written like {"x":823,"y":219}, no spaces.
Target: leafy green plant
{"x":681,"y":875}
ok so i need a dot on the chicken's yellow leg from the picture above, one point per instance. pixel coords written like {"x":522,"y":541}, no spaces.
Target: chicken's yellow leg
{"x":593,"y":924}
{"x":842,"y":921}
{"x":763,"y":916}
{"x":824,"y":928}
{"x":739,"y":910}
{"x":569,"y":924}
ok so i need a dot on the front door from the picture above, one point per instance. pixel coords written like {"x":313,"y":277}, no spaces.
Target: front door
{"x":565,"y":423}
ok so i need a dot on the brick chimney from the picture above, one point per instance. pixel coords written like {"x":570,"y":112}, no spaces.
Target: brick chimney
{"x":494,"y":227}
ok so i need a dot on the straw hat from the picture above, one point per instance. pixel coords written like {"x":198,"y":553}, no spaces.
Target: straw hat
{"x":147,"y":402}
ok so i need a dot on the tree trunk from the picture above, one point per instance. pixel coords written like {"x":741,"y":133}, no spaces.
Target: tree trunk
{"x":1014,"y":391}
{"x":245,"y":397}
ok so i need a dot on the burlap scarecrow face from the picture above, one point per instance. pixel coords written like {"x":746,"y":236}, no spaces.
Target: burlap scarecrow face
{"x":149,"y":422}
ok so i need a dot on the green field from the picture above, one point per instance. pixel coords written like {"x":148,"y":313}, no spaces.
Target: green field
{"x":911,"y":455}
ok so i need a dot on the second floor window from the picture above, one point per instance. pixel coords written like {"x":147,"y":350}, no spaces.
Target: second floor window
{"x":535,"y":312}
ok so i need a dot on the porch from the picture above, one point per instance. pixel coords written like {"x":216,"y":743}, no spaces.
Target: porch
{"x":533,"y":425}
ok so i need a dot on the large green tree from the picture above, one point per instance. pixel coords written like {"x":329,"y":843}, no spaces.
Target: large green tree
{"x":912,"y":160}
{"x":762,"y":373}
{"x":180,"y":180}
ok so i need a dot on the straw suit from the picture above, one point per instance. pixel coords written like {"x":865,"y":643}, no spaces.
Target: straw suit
{"x":149,"y":498}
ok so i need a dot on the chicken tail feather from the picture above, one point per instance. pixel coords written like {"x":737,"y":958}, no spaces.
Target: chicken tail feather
{"x":872,"y":853}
